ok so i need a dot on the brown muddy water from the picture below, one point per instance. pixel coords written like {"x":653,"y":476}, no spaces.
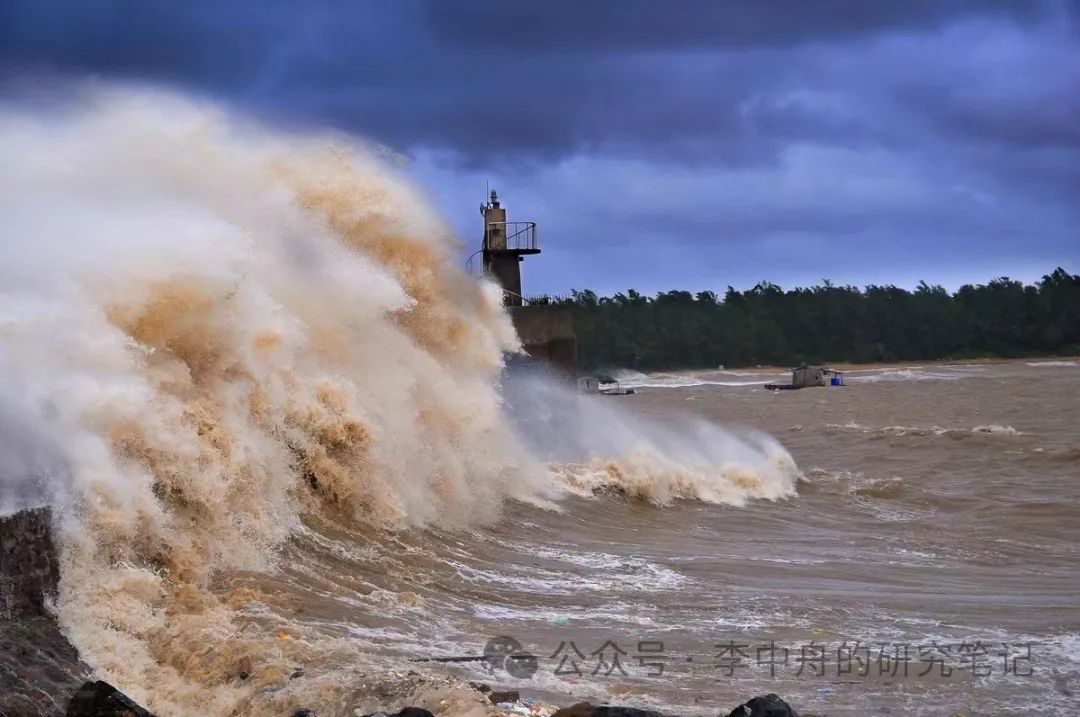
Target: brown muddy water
{"x":926,"y":565}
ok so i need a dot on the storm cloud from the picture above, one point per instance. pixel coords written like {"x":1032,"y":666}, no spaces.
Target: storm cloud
{"x":659,"y":144}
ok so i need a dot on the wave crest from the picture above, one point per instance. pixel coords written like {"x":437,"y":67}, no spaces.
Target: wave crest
{"x":660,"y":479}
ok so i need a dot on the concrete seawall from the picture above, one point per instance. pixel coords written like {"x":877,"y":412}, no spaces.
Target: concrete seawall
{"x":547,"y":335}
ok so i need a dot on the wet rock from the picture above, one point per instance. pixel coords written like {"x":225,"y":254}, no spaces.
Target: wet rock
{"x":407,"y":712}
{"x":585,"y":709}
{"x":28,"y":565}
{"x":581,"y":709}
{"x":769,"y":705}
{"x":502,"y":696}
{"x":39,"y":669}
{"x":100,"y":699}
{"x":496,"y":696}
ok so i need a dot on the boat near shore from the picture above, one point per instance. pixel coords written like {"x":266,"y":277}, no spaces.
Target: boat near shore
{"x":808,"y":376}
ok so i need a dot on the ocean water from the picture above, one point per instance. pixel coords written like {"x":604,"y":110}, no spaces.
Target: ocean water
{"x":248,"y":371}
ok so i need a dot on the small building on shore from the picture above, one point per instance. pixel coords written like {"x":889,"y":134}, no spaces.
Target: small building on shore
{"x":805,"y":376}
{"x":808,"y":376}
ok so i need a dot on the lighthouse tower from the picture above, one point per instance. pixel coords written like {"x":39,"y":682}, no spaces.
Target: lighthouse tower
{"x":506,"y":244}
{"x":546,"y":330}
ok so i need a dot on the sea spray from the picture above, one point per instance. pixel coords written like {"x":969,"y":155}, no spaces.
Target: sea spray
{"x":211,"y":331}
{"x":597,"y":444}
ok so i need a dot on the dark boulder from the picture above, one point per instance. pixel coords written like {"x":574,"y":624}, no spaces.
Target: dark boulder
{"x":28,"y":563}
{"x":765,"y":706}
{"x":585,"y":709}
{"x":39,"y":669}
{"x":769,"y":705}
{"x":581,"y":709}
{"x":100,"y":699}
{"x":604,"y":711}
{"x":496,"y":697}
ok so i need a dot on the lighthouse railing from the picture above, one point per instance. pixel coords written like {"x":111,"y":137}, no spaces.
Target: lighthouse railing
{"x":520,"y":236}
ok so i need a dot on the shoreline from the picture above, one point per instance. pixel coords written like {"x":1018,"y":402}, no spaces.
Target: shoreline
{"x":845,"y":366}
{"x":42,"y":674}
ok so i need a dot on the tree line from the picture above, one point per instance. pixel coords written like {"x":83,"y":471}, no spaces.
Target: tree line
{"x":819,"y":324}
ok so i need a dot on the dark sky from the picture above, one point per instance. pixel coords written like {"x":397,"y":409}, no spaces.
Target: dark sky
{"x":658,"y":144}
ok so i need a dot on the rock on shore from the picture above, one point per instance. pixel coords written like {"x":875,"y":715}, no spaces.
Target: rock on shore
{"x":39,"y":669}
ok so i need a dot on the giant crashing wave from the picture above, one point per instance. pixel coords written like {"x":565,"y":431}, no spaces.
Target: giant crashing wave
{"x":211,"y":330}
